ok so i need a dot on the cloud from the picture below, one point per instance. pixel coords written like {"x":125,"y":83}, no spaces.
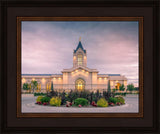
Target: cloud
{"x":112,"y":47}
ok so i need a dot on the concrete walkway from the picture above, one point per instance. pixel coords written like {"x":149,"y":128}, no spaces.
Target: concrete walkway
{"x":29,"y":106}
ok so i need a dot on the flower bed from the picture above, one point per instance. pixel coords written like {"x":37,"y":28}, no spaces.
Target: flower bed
{"x":80,"y":99}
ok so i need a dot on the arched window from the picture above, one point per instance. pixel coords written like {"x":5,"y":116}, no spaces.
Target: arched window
{"x":39,"y":87}
{"x":80,"y":59}
{"x":48,"y":87}
{"x":80,"y":84}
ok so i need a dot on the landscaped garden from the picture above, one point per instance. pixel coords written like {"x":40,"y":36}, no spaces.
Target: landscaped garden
{"x":74,"y":98}
{"x":80,"y":99}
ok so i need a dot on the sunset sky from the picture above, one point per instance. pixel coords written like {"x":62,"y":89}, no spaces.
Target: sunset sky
{"x":112,"y":47}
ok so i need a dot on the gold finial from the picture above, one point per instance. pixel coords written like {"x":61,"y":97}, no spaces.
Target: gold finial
{"x":79,"y":38}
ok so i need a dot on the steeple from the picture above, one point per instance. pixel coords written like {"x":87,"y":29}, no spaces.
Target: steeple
{"x":79,"y":56}
{"x":80,"y":46}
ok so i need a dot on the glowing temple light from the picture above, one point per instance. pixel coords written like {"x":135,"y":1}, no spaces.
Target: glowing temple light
{"x":105,"y":78}
{"x":84,"y":57}
{"x":43,"y":79}
{"x":59,"y":78}
{"x":111,"y":83}
{"x":125,"y":83}
{"x":23,"y":79}
{"x":100,"y":78}
{"x":33,"y":79}
{"x":83,"y":71}
{"x":54,"y":78}
{"x":76,"y":70}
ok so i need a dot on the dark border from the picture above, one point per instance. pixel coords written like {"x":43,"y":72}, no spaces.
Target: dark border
{"x":140,"y":21}
{"x":151,"y":3}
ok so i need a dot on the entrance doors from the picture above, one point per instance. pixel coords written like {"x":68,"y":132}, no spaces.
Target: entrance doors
{"x":80,"y":84}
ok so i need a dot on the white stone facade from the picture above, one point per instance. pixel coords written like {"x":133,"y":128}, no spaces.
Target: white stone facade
{"x":79,"y":77}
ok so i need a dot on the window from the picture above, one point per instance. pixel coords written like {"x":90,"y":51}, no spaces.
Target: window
{"x":111,"y":83}
{"x":80,"y":60}
{"x":80,"y":85}
{"x":39,"y":87}
{"x":48,"y":87}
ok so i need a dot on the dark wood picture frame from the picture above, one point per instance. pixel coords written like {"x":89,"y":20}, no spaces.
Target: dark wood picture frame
{"x":140,"y":21}
{"x":11,"y":118}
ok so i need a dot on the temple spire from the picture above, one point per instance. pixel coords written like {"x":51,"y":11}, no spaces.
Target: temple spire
{"x":80,"y":46}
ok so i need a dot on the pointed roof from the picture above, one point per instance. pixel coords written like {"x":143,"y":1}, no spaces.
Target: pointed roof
{"x":80,"y":46}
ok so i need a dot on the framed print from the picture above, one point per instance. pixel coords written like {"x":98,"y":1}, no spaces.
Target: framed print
{"x":80,"y":83}
{"x":80,"y":65}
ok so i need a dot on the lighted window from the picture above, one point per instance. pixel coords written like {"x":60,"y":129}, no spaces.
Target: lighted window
{"x":23,"y":80}
{"x":111,"y":83}
{"x":80,"y":60}
{"x":43,"y":80}
{"x":125,"y":83}
{"x":74,"y":57}
{"x":39,"y":87}
{"x":48,"y":87}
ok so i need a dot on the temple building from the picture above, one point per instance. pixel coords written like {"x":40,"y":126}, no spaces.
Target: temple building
{"x":79,"y":77}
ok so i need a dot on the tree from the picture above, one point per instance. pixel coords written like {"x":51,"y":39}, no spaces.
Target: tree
{"x":25,"y":86}
{"x":52,"y":86}
{"x":130,"y":87}
{"x":122,"y":88}
{"x":114,"y":89}
{"x":34,"y":85}
{"x":63,"y":98}
{"x":109,"y":88}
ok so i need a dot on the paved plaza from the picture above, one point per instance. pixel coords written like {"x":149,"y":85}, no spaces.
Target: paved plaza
{"x":29,"y":106}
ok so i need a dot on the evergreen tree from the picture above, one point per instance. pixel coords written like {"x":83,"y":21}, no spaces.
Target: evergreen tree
{"x":130,"y":87}
{"x":122,"y":88}
{"x":34,"y":85}
{"x":25,"y":86}
{"x":52,"y":86}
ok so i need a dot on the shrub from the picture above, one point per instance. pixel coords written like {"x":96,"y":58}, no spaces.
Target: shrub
{"x":39,"y":94}
{"x":55,"y":101}
{"x":45,"y":99}
{"x":122,"y":88}
{"x":123,"y":94}
{"x":52,"y":94}
{"x":121,"y":100}
{"x":72,"y":96}
{"x":102,"y":102}
{"x":25,"y":86}
{"x":94,"y":104}
{"x":114,"y":89}
{"x":113,"y":100}
{"x":63,"y":97}
{"x":107,"y":95}
{"x":81,"y":101}
{"x":84,"y":94}
{"x":39,"y":98}
{"x":130,"y":87}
